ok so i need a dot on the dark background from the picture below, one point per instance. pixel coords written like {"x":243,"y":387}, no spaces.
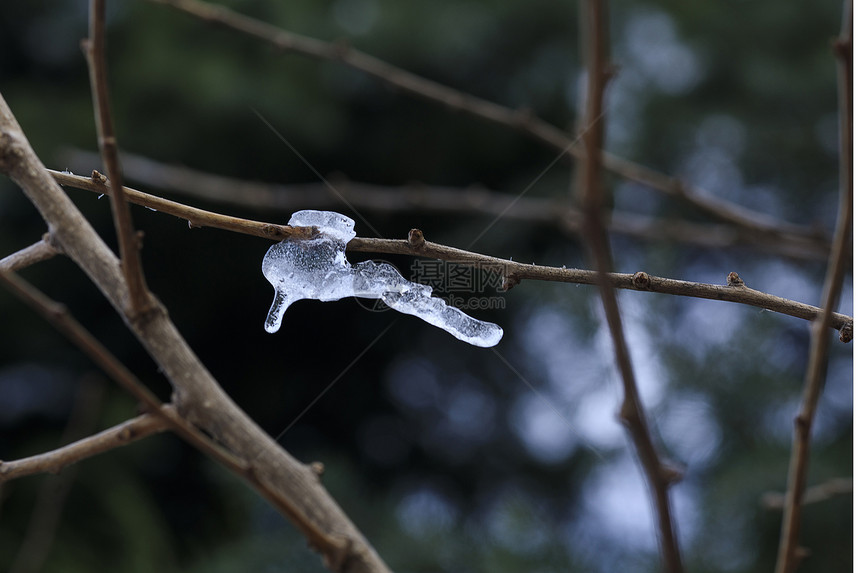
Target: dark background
{"x":448,"y":457}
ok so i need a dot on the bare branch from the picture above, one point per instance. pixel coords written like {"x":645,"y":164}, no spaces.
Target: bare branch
{"x":593,"y":30}
{"x":448,"y":200}
{"x":35,"y":253}
{"x":94,"y":49}
{"x":789,"y":551}
{"x":735,"y":292}
{"x":814,"y":494}
{"x":106,"y":440}
{"x":521,"y":120}
{"x":195,"y":217}
{"x":292,"y":487}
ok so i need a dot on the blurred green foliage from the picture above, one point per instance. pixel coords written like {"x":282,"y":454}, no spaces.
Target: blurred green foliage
{"x":440,"y":452}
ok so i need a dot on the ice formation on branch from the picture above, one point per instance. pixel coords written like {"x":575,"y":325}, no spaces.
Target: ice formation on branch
{"x":317,"y":269}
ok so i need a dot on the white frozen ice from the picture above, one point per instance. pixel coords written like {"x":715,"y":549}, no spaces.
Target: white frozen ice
{"x":317,"y":269}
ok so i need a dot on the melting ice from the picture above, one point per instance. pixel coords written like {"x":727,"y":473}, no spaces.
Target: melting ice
{"x":317,"y":269}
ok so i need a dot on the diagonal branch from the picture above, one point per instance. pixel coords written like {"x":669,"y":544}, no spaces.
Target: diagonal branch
{"x":735,"y":291}
{"x":593,"y":30}
{"x":790,"y":553}
{"x":448,"y":200}
{"x":94,"y":49}
{"x":35,"y":253}
{"x":824,"y":491}
{"x":520,"y":120}
{"x":106,"y":440}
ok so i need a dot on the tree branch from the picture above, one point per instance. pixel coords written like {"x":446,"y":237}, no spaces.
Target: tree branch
{"x":52,"y":462}
{"x":735,"y":291}
{"x":789,"y":551}
{"x":814,"y":494}
{"x":35,"y":253}
{"x":139,"y":299}
{"x":292,"y":487}
{"x":447,"y":200}
{"x":593,"y":29}
{"x":520,"y":120}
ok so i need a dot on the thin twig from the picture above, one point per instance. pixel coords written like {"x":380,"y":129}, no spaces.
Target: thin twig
{"x":514,"y":272}
{"x":413,"y":197}
{"x":814,"y":494}
{"x":790,"y":552}
{"x":120,"y":435}
{"x":522,"y":120}
{"x":94,"y":49}
{"x":195,"y":217}
{"x":595,"y":45}
{"x":35,"y":253}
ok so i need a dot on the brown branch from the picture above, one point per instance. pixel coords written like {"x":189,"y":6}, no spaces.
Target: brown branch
{"x":52,"y":462}
{"x":814,"y":494}
{"x":593,"y":28}
{"x":735,"y":291}
{"x":35,"y":253}
{"x":447,"y":200}
{"x":139,"y":299}
{"x":790,"y":552}
{"x":292,"y":487}
{"x":195,"y":217}
{"x":520,"y":120}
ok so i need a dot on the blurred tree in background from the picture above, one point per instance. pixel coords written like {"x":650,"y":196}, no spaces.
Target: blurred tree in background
{"x":447,"y":457}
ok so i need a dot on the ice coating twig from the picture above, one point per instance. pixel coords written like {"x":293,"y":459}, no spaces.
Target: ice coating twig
{"x":317,"y":269}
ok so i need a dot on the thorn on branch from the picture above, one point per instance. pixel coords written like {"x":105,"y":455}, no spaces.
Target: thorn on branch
{"x":318,"y":468}
{"x":671,"y":474}
{"x":416,"y":239}
{"x":510,"y":282}
{"x":641,"y":281}
{"x":99,"y":178}
{"x":801,"y":422}
{"x":733,"y":279}
{"x":338,"y":558}
{"x":627,"y":414}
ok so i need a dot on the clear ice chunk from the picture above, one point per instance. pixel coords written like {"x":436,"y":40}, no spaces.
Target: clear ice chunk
{"x":317,"y":269}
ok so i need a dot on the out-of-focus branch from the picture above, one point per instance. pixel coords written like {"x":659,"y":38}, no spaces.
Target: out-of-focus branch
{"x":521,"y":120}
{"x":593,"y":29}
{"x":35,"y":253}
{"x":52,"y":462}
{"x":139,"y":299}
{"x":195,"y":217}
{"x":735,"y":291}
{"x":53,"y":492}
{"x":813,"y":494}
{"x":447,"y":200}
{"x":789,"y":550}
